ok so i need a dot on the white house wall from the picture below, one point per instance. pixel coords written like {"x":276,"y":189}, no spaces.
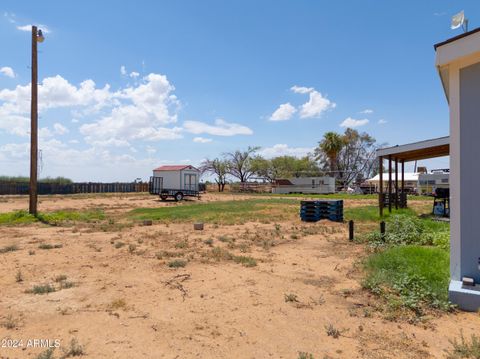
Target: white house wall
{"x":175,"y":179}
{"x":171,"y":179}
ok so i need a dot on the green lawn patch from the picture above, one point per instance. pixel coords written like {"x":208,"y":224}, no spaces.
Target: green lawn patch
{"x":224,"y":212}
{"x":336,"y":196}
{"x":410,"y":277}
{"x":56,"y":217}
{"x":71,"y":216}
{"x":371,"y":213}
{"x":16,"y":217}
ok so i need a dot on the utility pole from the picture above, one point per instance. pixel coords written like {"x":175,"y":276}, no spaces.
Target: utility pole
{"x":37,"y":36}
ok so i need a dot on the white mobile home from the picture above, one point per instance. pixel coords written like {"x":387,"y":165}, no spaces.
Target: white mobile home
{"x":429,"y":182}
{"x":175,"y":181}
{"x":316,"y":185}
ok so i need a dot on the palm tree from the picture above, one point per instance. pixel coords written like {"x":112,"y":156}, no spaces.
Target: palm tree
{"x":329,"y":148}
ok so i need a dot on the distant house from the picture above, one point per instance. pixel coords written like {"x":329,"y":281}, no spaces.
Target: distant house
{"x":420,"y":183}
{"x":411,"y":181}
{"x":429,"y":182}
{"x":176,"y":181}
{"x":315,"y":185}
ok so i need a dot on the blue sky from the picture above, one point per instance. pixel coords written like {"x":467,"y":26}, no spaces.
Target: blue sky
{"x":127,"y":86}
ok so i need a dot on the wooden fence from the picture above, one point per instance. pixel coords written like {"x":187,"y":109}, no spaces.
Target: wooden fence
{"x":12,"y":188}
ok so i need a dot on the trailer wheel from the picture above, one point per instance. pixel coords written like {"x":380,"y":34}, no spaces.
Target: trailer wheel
{"x":163,"y":197}
{"x":178,"y":196}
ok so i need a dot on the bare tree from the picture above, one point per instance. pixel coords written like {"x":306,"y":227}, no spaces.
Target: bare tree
{"x":240,"y":163}
{"x":356,"y":160}
{"x":217,"y":167}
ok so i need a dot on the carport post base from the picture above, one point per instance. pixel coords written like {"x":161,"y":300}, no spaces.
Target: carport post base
{"x":466,"y":299}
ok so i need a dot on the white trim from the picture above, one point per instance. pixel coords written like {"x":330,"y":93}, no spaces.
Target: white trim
{"x":455,"y":50}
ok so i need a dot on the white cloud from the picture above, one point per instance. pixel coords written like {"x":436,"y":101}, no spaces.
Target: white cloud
{"x":123,"y":70}
{"x":134,"y":74}
{"x":10,"y":17}
{"x":113,"y":125}
{"x":150,"y":150}
{"x":382,"y":121}
{"x":351,"y":122}
{"x":28,"y":27}
{"x":60,"y":129}
{"x":316,"y":105}
{"x":7,"y":71}
{"x":301,"y":89}
{"x":221,"y":128}
{"x":283,"y":112}
{"x":14,"y":124}
{"x":285,"y":150}
{"x":55,"y":92}
{"x":140,"y":112}
{"x":202,"y":140}
{"x":44,"y":133}
{"x":143,"y":113}
{"x":367,"y":111}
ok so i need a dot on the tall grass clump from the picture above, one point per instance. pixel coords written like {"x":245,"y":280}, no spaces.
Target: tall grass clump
{"x":413,"y":278}
{"x":404,"y":229}
{"x":54,"y":218}
{"x":16,"y":217}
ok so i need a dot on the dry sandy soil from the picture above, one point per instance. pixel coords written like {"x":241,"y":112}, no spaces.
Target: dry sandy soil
{"x":127,"y":302}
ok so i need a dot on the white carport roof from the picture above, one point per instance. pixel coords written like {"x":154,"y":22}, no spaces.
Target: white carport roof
{"x":437,"y":147}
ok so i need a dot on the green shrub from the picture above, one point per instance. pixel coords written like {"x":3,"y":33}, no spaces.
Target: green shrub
{"x":465,"y":349}
{"x":47,"y":354}
{"x":9,"y":248}
{"x":403,"y":229}
{"x":305,"y":355}
{"x":245,"y":261}
{"x":442,"y":240}
{"x":177,"y":263}
{"x":50,"y":246}
{"x":41,"y":289}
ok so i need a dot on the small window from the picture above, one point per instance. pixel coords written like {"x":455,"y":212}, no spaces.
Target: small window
{"x":444,"y":180}
{"x":431,"y":182}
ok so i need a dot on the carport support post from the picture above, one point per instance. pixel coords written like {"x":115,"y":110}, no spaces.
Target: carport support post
{"x":396,"y":183}
{"x":389,"y":183}
{"x":380,"y":189}
{"x":402,"y":201}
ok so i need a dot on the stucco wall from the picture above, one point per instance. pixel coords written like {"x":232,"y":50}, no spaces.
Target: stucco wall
{"x":469,"y":170}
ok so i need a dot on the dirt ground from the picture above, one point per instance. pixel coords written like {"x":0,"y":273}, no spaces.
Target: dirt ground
{"x":126,"y":302}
